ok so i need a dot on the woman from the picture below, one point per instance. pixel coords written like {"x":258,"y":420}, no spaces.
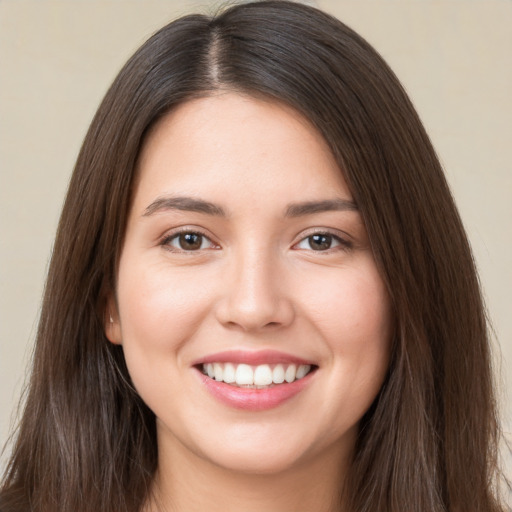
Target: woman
{"x":256,"y":291}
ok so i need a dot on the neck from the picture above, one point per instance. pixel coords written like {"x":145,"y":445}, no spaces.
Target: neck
{"x":183,"y":484}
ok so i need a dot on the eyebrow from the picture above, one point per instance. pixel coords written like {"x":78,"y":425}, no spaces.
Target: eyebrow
{"x":183,"y":203}
{"x":327,"y":205}
{"x":200,"y":206}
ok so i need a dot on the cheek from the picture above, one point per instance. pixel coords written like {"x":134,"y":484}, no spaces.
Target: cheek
{"x":353,"y":315}
{"x":351,"y":307}
{"x":158,"y":306}
{"x":160,"y":309}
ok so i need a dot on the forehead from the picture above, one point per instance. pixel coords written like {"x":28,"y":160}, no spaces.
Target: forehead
{"x":232,"y":146}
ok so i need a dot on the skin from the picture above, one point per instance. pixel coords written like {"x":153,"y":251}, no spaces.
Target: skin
{"x":256,"y":282}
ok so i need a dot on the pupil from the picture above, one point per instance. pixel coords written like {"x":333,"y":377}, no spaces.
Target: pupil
{"x":190,"y":241}
{"x":320,"y":242}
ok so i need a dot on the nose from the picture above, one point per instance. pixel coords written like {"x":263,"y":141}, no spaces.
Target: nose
{"x":253,"y":296}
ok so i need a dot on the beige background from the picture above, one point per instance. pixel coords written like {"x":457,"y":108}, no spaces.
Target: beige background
{"x":58,"y":57}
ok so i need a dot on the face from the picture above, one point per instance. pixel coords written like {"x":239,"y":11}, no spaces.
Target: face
{"x":245,"y":258}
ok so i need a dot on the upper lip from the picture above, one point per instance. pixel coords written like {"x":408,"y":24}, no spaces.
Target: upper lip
{"x":252,"y":358}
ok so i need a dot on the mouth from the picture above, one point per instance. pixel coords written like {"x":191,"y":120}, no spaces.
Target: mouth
{"x":254,"y":381}
{"x":262,"y":376}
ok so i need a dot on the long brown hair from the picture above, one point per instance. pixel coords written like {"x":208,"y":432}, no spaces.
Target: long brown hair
{"x":87,"y":442}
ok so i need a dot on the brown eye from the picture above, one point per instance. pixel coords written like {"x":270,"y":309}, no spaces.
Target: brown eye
{"x":320,"y":242}
{"x":188,"y":241}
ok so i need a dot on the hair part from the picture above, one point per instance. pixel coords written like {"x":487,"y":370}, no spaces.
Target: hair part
{"x":87,"y":441}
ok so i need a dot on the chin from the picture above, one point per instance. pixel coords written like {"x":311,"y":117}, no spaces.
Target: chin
{"x":263,"y":451}
{"x":255,"y":462}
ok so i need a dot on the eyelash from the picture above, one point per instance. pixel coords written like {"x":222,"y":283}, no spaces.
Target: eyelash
{"x":166,"y":240}
{"x":342,"y":244}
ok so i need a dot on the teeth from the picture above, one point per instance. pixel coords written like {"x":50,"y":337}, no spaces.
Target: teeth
{"x":291,"y":373}
{"x":244,"y":375}
{"x":301,"y":371}
{"x":278,"y":374}
{"x":218,"y":371}
{"x":262,"y":375}
{"x":229,"y":373}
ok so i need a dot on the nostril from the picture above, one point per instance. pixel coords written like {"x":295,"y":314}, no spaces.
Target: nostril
{"x":270,"y":316}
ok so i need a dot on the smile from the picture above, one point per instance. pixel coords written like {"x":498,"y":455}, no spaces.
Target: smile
{"x":256,"y":377}
{"x":254,"y":381}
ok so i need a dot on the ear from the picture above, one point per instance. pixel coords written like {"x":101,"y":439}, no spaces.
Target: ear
{"x":111,"y":322}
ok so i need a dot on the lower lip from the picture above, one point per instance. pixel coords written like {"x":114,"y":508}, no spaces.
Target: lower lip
{"x":252,"y":399}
